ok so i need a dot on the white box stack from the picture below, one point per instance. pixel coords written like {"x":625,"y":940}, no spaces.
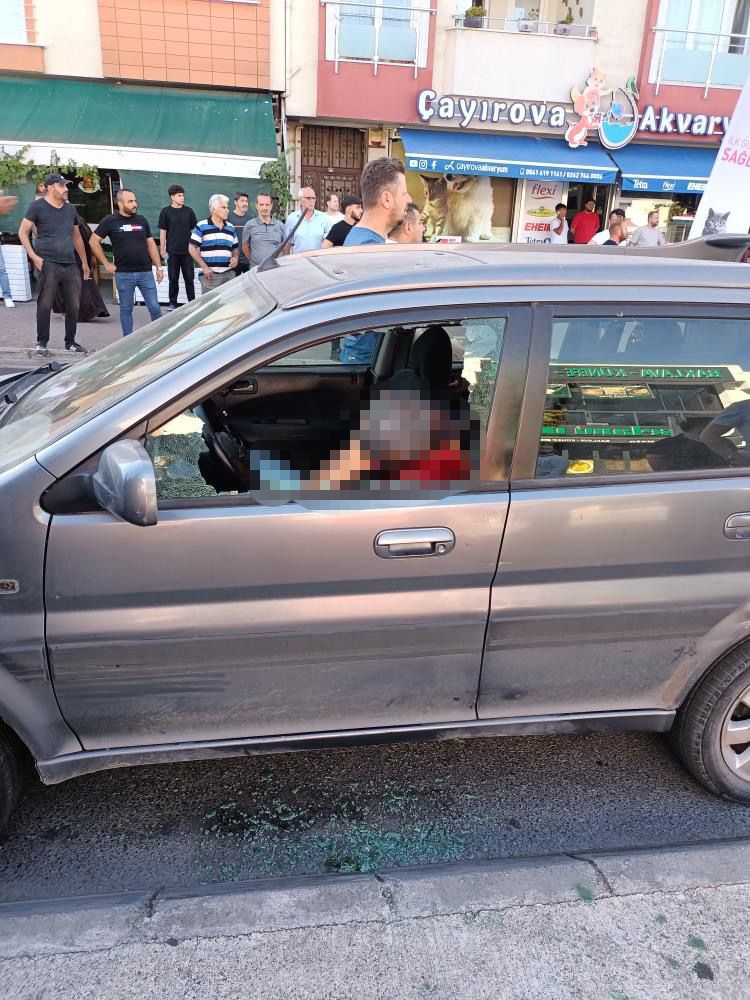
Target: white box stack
{"x":17,"y":266}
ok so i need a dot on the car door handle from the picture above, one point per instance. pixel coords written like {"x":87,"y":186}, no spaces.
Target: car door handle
{"x":245,"y":387}
{"x":737,"y":526}
{"x":414,"y":542}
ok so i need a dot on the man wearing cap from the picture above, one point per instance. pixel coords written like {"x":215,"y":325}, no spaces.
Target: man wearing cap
{"x":58,"y":240}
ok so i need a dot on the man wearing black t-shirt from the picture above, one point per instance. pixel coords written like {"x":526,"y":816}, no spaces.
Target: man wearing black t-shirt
{"x":352,"y":214}
{"x":58,"y":240}
{"x":176,"y":223}
{"x":134,"y":251}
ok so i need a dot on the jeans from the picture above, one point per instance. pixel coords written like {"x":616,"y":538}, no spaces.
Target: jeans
{"x":68,"y":278}
{"x":4,"y":282}
{"x":176,"y":263}
{"x":127,"y":282}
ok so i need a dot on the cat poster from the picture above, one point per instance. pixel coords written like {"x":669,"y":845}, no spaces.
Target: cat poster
{"x":463,"y":207}
{"x":724,"y":206}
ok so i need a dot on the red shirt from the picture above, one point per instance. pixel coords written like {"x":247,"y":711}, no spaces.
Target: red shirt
{"x":585,"y":224}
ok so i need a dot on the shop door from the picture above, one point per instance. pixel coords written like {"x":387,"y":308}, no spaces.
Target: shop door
{"x":332,"y":160}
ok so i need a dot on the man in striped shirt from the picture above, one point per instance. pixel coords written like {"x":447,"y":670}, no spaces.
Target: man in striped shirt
{"x":214,"y":245}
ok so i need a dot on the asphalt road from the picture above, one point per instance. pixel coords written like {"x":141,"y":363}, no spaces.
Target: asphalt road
{"x":354,"y":810}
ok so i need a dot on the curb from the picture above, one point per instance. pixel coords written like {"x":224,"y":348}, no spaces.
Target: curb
{"x":95,"y":923}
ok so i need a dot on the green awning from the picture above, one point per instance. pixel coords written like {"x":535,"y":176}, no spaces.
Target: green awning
{"x":90,"y":113}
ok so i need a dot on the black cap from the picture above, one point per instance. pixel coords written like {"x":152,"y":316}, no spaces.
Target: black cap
{"x":51,"y":179}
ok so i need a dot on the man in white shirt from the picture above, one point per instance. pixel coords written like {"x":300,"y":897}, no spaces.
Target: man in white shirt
{"x":314,"y":226}
{"x":649,"y":235}
{"x":616,"y":215}
{"x":558,"y":228}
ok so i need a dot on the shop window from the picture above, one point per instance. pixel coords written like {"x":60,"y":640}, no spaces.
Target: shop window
{"x":13,"y":23}
{"x":377,"y":31}
{"x":645,"y":394}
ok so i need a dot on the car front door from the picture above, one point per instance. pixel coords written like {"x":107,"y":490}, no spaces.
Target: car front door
{"x":620,"y":575}
{"x":230,"y":619}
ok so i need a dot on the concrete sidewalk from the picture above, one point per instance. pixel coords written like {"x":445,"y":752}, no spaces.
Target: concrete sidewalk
{"x":18,"y":333}
{"x":624,"y":926}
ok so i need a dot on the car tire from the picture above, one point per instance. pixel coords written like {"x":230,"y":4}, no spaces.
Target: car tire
{"x":10,"y":775}
{"x":711,"y":734}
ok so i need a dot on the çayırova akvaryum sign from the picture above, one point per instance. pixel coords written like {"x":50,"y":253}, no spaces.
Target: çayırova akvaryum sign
{"x":611,"y":112}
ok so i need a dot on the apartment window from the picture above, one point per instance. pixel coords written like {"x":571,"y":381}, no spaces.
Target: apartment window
{"x":13,"y":23}
{"x":377,"y":31}
{"x":702,"y":42}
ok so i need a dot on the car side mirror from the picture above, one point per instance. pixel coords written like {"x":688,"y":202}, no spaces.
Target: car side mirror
{"x":125,"y":484}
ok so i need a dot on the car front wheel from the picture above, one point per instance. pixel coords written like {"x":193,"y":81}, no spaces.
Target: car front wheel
{"x":712,"y":730}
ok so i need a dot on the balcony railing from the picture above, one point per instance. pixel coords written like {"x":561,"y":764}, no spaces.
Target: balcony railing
{"x":529,"y":26}
{"x":378,"y":33}
{"x":700,"y":58}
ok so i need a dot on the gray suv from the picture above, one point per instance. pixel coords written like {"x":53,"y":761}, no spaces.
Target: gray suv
{"x":388,"y":494}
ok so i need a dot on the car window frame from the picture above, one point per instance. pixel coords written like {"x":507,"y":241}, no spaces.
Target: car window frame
{"x":503,"y":418}
{"x":532,"y":410}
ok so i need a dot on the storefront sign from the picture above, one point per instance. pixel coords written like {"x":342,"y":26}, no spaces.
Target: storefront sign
{"x":611,"y":112}
{"x":582,"y":431}
{"x":725,"y":207}
{"x":662,"y":121}
{"x":639,"y":373}
{"x":538,"y":212}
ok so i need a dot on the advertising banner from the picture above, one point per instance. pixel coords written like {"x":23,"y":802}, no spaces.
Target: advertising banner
{"x":538,"y":210}
{"x":725,"y":206}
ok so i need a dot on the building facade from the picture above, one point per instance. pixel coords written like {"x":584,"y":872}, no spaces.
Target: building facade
{"x":150,"y":92}
{"x":542,"y":100}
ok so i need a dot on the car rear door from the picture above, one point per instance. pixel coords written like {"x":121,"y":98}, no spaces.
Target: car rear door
{"x":230,"y":619}
{"x":625,"y":567}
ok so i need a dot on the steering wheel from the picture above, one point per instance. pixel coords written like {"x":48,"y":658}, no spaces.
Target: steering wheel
{"x":222,"y":442}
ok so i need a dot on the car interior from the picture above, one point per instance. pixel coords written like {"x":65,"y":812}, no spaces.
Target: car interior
{"x":305,"y":406}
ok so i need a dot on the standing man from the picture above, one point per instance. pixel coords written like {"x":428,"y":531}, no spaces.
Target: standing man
{"x":352,"y":214}
{"x":585,"y":223}
{"x":176,"y":223}
{"x":7,"y":204}
{"x":214,"y":245}
{"x":616,"y":215}
{"x":238,"y":217}
{"x":58,"y":239}
{"x":385,"y":198}
{"x":134,"y":250}
{"x":649,"y":235}
{"x":314,"y":226}
{"x":616,"y":234}
{"x":558,"y":228}
{"x":262,"y":235}
{"x":410,"y":229}
{"x":333,"y":209}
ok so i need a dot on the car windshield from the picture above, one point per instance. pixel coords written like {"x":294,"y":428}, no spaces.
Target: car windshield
{"x":61,"y":403}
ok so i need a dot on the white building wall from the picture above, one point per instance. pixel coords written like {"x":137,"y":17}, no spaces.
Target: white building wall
{"x":70,"y":36}
{"x":533,"y":66}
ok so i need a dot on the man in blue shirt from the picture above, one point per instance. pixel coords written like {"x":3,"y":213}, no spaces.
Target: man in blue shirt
{"x":214,"y":245}
{"x":314,"y":227}
{"x":384,"y":198}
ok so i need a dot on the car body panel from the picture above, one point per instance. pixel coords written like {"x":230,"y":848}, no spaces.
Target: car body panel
{"x":27,"y":700}
{"x":609,"y":601}
{"x":245,"y":621}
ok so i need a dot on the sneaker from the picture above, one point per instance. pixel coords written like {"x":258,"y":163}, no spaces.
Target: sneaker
{"x":76,"y":348}
{"x":10,"y":304}
{"x":42,"y":351}
{"x":172,"y":306}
